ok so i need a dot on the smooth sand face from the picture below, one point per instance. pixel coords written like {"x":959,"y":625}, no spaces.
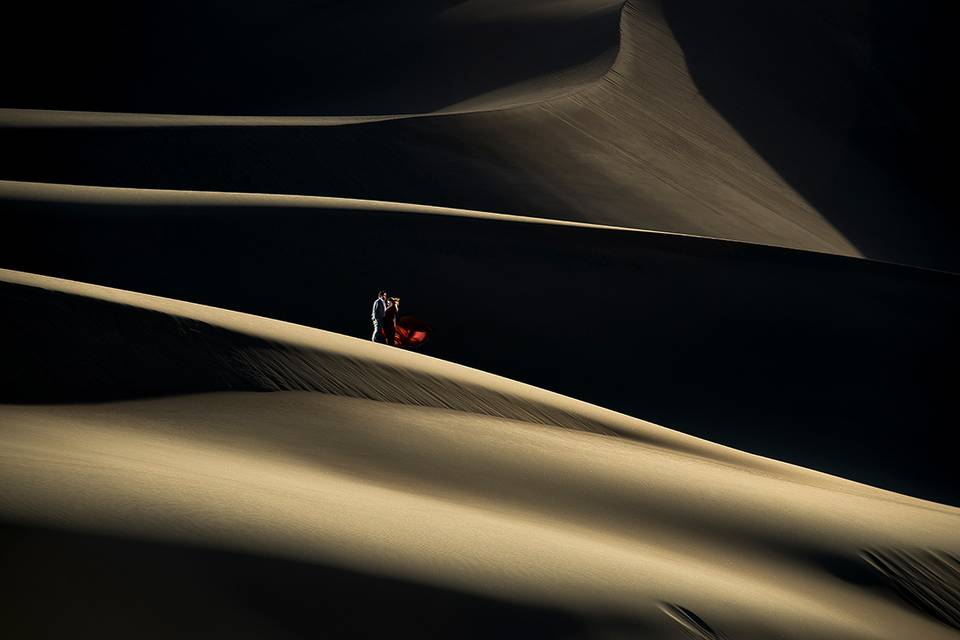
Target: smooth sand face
{"x":645,"y":145}
{"x":734,"y":343}
{"x":631,"y":526}
{"x":631,"y":141}
{"x":439,"y":497}
{"x":571,"y":115}
{"x":149,"y":487}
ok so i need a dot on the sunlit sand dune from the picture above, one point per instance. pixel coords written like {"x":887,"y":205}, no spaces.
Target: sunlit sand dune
{"x":402,"y":467}
{"x":689,"y":284}
{"x":803,"y":357}
{"x":566,"y":117}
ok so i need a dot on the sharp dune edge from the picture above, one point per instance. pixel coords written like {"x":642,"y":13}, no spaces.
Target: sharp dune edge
{"x":632,"y":139}
{"x":633,"y":144}
{"x":705,"y":242}
{"x":72,"y":194}
{"x":660,"y":532}
{"x":694,"y":349}
{"x":111,"y":196}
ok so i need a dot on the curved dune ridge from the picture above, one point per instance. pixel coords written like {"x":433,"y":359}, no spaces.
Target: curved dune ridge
{"x":395,"y":466}
{"x":630,"y":141}
{"x":730,"y":246}
{"x":74,"y":194}
{"x":681,"y":330}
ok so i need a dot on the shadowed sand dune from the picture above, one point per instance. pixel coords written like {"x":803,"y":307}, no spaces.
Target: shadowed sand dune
{"x":731,"y":223}
{"x":595,"y":534}
{"x":638,"y":146}
{"x":306,"y":58}
{"x":803,"y":357}
{"x":683,"y":169}
{"x":845,"y":101}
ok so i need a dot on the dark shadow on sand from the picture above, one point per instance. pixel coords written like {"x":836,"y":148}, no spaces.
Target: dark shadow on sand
{"x":59,"y":584}
{"x":416,"y":160}
{"x":287,"y":57}
{"x":846,"y":100}
{"x":832,"y":363}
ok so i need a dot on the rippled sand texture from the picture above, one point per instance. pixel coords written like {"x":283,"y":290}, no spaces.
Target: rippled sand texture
{"x":190,"y":188}
{"x":398,"y":465}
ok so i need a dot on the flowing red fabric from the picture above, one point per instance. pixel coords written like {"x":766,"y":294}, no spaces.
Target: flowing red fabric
{"x":411,"y":332}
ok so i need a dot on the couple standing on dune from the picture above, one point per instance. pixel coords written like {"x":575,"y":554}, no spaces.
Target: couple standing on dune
{"x":384,"y":318}
{"x":389,"y":328}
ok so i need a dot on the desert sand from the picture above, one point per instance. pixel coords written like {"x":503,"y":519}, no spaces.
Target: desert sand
{"x":416,"y":469}
{"x":578,"y":110}
{"x":693,"y":292}
{"x":805,"y":357}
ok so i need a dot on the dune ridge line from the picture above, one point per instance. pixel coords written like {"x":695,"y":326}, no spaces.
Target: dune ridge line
{"x":568,"y":518}
{"x":108,"y":195}
{"x":296,"y":357}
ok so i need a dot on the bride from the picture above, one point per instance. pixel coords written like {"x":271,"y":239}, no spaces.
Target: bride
{"x":389,"y":329}
{"x":407,"y":332}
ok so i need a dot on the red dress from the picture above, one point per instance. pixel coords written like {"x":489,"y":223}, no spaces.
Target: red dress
{"x":389,"y":328}
{"x":411,"y":332}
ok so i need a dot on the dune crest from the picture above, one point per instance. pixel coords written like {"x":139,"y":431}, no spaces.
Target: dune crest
{"x":711,"y":319}
{"x":474,"y":498}
{"x":631,"y":140}
{"x":690,"y":292}
{"x":660,"y":155}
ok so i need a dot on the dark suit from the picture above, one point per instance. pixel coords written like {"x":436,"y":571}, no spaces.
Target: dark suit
{"x":379,"y":309}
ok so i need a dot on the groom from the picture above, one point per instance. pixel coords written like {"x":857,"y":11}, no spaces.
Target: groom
{"x":379,"y":309}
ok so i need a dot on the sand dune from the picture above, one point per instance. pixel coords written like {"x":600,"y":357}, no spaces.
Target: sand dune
{"x":843,"y":100}
{"x":724,"y":219}
{"x":628,"y":532}
{"x":804,"y":357}
{"x":631,"y":141}
{"x":728,"y":192}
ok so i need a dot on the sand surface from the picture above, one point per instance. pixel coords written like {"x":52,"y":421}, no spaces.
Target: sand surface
{"x":415,"y":474}
{"x":580,"y":110}
{"x":803,"y":357}
{"x":693,"y":290}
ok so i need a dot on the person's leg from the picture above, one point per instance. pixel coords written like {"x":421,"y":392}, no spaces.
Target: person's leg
{"x":376,"y":333}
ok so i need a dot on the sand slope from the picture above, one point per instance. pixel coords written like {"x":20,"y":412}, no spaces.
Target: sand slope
{"x":726,"y":218}
{"x":417,"y":480}
{"x":684,"y":170}
{"x":633,"y":144}
{"x":803,"y":357}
